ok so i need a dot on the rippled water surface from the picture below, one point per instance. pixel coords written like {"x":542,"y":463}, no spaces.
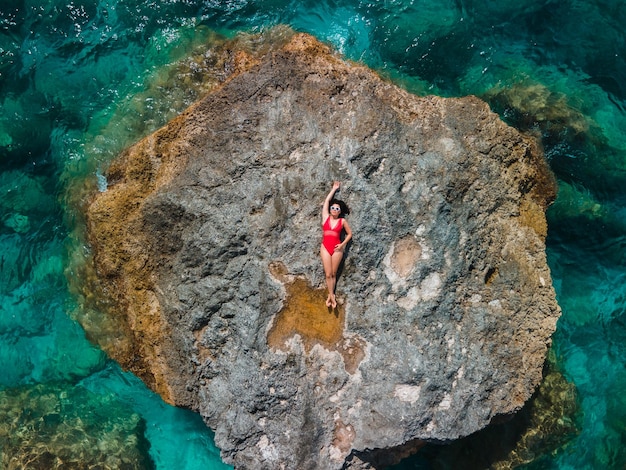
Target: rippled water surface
{"x":80,"y":80}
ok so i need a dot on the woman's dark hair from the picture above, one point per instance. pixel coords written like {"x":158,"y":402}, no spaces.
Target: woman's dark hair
{"x":345,"y":210}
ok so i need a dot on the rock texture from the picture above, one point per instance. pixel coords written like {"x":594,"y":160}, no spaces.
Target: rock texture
{"x":208,"y":237}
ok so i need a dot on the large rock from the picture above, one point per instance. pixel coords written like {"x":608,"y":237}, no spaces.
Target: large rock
{"x":208,"y":242}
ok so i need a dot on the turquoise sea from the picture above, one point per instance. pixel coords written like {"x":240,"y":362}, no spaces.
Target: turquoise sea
{"x":81,"y":79}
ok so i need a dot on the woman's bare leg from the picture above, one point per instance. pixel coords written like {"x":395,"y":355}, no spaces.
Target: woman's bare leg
{"x":331,"y":266}
{"x":336,"y":261}
{"x":327,"y":261}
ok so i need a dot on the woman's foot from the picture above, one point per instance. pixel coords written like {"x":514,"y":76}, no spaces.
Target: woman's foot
{"x":328,"y":301}
{"x":333,"y":302}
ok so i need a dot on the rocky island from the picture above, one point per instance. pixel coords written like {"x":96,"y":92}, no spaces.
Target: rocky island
{"x":207,"y":244}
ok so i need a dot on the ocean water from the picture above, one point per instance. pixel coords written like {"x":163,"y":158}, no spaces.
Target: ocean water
{"x":80,"y":80}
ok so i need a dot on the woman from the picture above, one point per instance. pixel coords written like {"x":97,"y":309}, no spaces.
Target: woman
{"x":332,"y":247}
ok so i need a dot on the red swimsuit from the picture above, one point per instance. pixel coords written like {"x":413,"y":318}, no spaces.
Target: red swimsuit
{"x":331,"y":235}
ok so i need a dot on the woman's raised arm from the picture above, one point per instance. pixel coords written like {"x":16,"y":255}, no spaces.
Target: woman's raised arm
{"x":325,"y":210}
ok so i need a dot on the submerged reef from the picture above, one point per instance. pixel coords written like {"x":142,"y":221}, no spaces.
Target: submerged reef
{"x":50,"y":426}
{"x":206,"y":244}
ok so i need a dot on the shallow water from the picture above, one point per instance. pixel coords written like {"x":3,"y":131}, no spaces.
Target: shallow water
{"x":81,"y":80}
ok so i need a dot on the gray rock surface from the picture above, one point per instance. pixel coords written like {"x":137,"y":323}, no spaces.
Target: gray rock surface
{"x":208,"y":242}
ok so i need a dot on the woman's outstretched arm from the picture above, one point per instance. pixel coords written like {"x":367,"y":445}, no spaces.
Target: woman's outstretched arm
{"x":325,"y":209}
